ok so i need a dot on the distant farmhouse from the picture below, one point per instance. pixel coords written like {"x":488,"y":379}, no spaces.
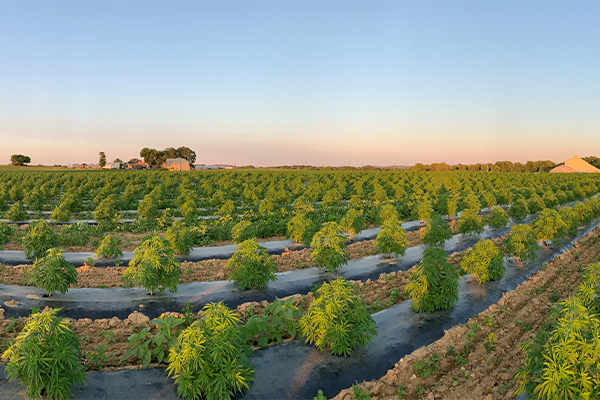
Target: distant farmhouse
{"x":177,"y":164}
{"x":575,"y":164}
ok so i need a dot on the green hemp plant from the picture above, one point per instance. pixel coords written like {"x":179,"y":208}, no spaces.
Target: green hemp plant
{"x":110,"y":247}
{"x":484,"y":261}
{"x":391,"y":239}
{"x":337,"y":320}
{"x":437,"y":231}
{"x":52,"y":273}
{"x":521,"y":243}
{"x":154,"y":266}
{"x":251,"y":266}
{"x":210,"y":358}
{"x":434,"y":282}
{"x":45,"y":357}
{"x":38,"y":239}
{"x":329,"y":246}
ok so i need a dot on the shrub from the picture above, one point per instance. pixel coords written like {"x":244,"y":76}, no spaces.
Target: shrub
{"x":549,"y":226}
{"x":17,"y":212}
{"x":154,"y":266}
{"x":242,"y":231}
{"x":52,"y":273}
{"x":469,"y":223}
{"x":518,"y":209}
{"x":484,"y":261}
{"x":38,"y":239}
{"x":251,"y":266}
{"x":353,"y":221}
{"x":180,"y":237}
{"x":110,"y":247}
{"x":521,"y":243}
{"x":210,"y":358}
{"x":45,"y":357}
{"x":434,"y":283}
{"x":337,"y":320}
{"x":498,"y":217}
{"x":437,"y":231}
{"x":391,"y":240}
{"x":329,"y":246}
{"x":299,"y":228}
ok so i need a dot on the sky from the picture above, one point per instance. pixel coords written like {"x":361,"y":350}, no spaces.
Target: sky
{"x":311,"y":82}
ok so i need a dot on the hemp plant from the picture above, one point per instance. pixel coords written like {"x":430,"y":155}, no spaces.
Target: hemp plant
{"x":337,"y":320}
{"x":45,"y":357}
{"x":484,"y":261}
{"x":329,"y":246}
{"x":154,"y":266}
{"x":210,"y":358}
{"x":251,"y":266}
{"x":433,"y":283}
{"x":38,"y":239}
{"x":52,"y":273}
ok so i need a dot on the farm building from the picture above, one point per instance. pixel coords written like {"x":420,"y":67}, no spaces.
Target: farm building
{"x":575,"y":164}
{"x":137,"y":164}
{"x":176,"y":164}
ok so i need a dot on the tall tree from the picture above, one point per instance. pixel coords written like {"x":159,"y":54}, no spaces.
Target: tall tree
{"x":102,"y":161}
{"x":19,"y":159}
{"x":152,"y":157}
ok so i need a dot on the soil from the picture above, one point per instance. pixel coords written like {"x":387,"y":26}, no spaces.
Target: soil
{"x":488,"y":373}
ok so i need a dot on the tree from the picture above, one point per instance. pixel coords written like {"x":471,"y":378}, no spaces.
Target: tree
{"x":118,"y":160}
{"x":19,"y":159}
{"x":181,"y":152}
{"x":102,"y":161}
{"x":152,"y":157}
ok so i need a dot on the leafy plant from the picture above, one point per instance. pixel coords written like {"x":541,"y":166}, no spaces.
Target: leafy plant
{"x":391,"y":239}
{"x":279,"y":321}
{"x":437,"y":231}
{"x":52,"y":273}
{"x":97,"y":358}
{"x":320,"y":396}
{"x":110,"y":247}
{"x":360,"y":393}
{"x":106,"y":209}
{"x":45,"y":357}
{"x":549,"y":226}
{"x":242,"y":231}
{"x":434,"y":282}
{"x":154,"y":266}
{"x":353,"y":221}
{"x":180,"y":237}
{"x":337,"y":320}
{"x":251,"y":266}
{"x":38,"y":239}
{"x":428,"y":367}
{"x":424,"y":210}
{"x":484,"y":261}
{"x":210,"y":358}
{"x":518,"y":209}
{"x":521,"y":243}
{"x":329,"y":246}
{"x":17,"y":212}
{"x":299,"y":228}
{"x":146,"y":346}
{"x":469,"y":223}
{"x":498,"y":217}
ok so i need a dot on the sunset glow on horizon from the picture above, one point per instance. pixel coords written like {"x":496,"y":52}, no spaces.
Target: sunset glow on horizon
{"x":318,"y":83}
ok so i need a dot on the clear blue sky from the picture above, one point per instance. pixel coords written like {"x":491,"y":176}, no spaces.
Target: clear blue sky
{"x":286,"y":82}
